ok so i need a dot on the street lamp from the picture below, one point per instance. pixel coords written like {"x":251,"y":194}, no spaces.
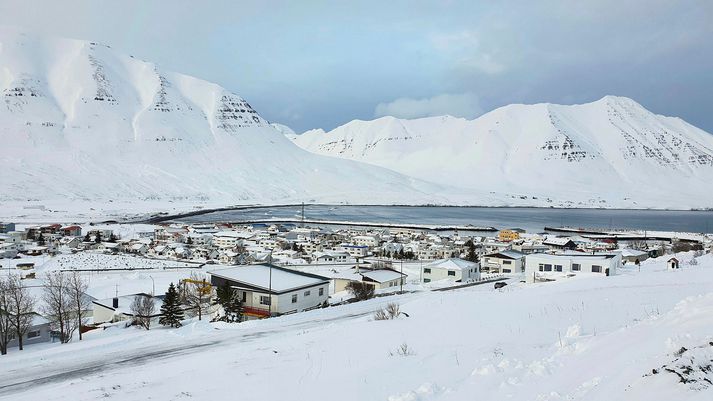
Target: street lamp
{"x":153,"y":285}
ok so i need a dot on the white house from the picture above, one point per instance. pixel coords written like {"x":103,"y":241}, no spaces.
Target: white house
{"x":356,"y":251}
{"x":456,"y":269}
{"x":119,"y":308}
{"x":267,"y":290}
{"x":634,"y":255}
{"x":378,"y":278}
{"x":229,"y":239}
{"x":504,"y":262}
{"x":544,"y":267}
{"x":367,"y":240}
{"x":330,"y":257}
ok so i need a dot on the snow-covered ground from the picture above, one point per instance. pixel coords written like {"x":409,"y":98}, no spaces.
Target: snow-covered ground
{"x":582,"y":339}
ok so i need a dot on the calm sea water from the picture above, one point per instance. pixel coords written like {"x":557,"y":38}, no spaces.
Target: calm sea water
{"x":530,"y":219}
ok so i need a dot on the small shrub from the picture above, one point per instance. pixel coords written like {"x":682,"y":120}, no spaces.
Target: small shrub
{"x":693,"y":262}
{"x":392,"y":311}
{"x":360,"y":291}
{"x":403,"y":350}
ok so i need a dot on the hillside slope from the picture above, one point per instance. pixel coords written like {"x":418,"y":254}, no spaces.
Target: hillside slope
{"x":80,"y":122}
{"x":612,"y":152}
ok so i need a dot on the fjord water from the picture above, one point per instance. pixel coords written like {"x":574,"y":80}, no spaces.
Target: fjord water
{"x":530,"y":219}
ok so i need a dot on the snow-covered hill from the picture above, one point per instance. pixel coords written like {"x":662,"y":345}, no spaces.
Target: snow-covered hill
{"x":78,"y":121}
{"x":612,"y":152}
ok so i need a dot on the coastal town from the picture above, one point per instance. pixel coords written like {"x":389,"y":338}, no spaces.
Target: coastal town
{"x":285,"y":268}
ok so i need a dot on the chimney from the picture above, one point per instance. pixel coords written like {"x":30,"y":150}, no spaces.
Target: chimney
{"x":115,"y":302}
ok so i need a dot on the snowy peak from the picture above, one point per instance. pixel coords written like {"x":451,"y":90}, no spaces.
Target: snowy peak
{"x":613,"y":144}
{"x":79,"y":121}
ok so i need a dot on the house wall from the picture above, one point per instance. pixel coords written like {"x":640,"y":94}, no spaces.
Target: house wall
{"x":102,"y":314}
{"x":501,"y":265}
{"x":44,"y":331}
{"x":284,"y":301}
{"x":532,"y":264}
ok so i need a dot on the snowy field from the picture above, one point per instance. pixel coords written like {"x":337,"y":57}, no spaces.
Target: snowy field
{"x":580,"y":339}
{"x":100,"y":261}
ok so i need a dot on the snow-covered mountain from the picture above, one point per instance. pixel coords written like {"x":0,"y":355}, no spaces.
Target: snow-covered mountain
{"x":612,"y":152}
{"x":78,"y":121}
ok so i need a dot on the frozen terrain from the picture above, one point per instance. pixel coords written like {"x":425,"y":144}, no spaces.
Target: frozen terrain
{"x":83,"y":127}
{"x":638,"y":335}
{"x":608,"y":153}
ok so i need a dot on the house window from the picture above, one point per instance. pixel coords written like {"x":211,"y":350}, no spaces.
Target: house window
{"x":264,"y":300}
{"x":558,"y":268}
{"x":596,"y":269}
{"x":294,"y":298}
{"x":507,"y":271}
{"x":542,"y":267}
{"x":426,"y":270}
{"x":33,"y":334}
{"x":548,"y":267}
{"x":507,"y":262}
{"x":307,"y":293}
{"x":426,"y":280}
{"x":576,"y":267}
{"x":451,"y":272}
{"x":321,"y":292}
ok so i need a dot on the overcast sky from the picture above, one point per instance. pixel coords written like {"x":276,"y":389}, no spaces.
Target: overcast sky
{"x":312,"y":64}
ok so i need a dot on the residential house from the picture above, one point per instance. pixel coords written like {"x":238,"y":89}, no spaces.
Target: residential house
{"x":378,"y":278}
{"x":633,"y":255}
{"x":456,"y":269}
{"x":71,"y":231}
{"x":547,"y":267}
{"x":267,"y":290}
{"x":39,"y":332}
{"x":560,"y":243}
{"x":508,"y":235}
{"x":119,"y":308}
{"x":503,"y":262}
{"x":356,"y":251}
{"x":6,"y":227}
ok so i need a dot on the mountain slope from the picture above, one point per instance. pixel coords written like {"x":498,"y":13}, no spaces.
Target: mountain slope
{"x":612,"y":152}
{"x":80,"y":122}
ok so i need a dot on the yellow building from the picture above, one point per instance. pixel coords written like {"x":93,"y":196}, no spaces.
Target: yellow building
{"x":508,"y":235}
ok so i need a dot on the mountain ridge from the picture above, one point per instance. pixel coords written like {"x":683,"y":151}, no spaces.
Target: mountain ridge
{"x":598,"y":153}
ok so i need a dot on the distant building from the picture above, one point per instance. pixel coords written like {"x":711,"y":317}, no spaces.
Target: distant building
{"x":71,"y":231}
{"x":6,"y":227}
{"x":560,"y":243}
{"x":508,"y":235}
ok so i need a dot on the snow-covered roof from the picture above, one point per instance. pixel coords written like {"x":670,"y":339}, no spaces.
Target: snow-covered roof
{"x":632,"y":252}
{"x":382,"y":275}
{"x":266,"y":277}
{"x":125,"y":302}
{"x":509,"y":254}
{"x":451,"y":264}
{"x":558,"y":241}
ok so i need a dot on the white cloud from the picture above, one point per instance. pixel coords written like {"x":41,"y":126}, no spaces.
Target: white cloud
{"x":458,"y":105}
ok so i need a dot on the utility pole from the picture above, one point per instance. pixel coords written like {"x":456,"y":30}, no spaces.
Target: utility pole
{"x":402,"y":277}
{"x":303,"y":214}
{"x":269,"y":305}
